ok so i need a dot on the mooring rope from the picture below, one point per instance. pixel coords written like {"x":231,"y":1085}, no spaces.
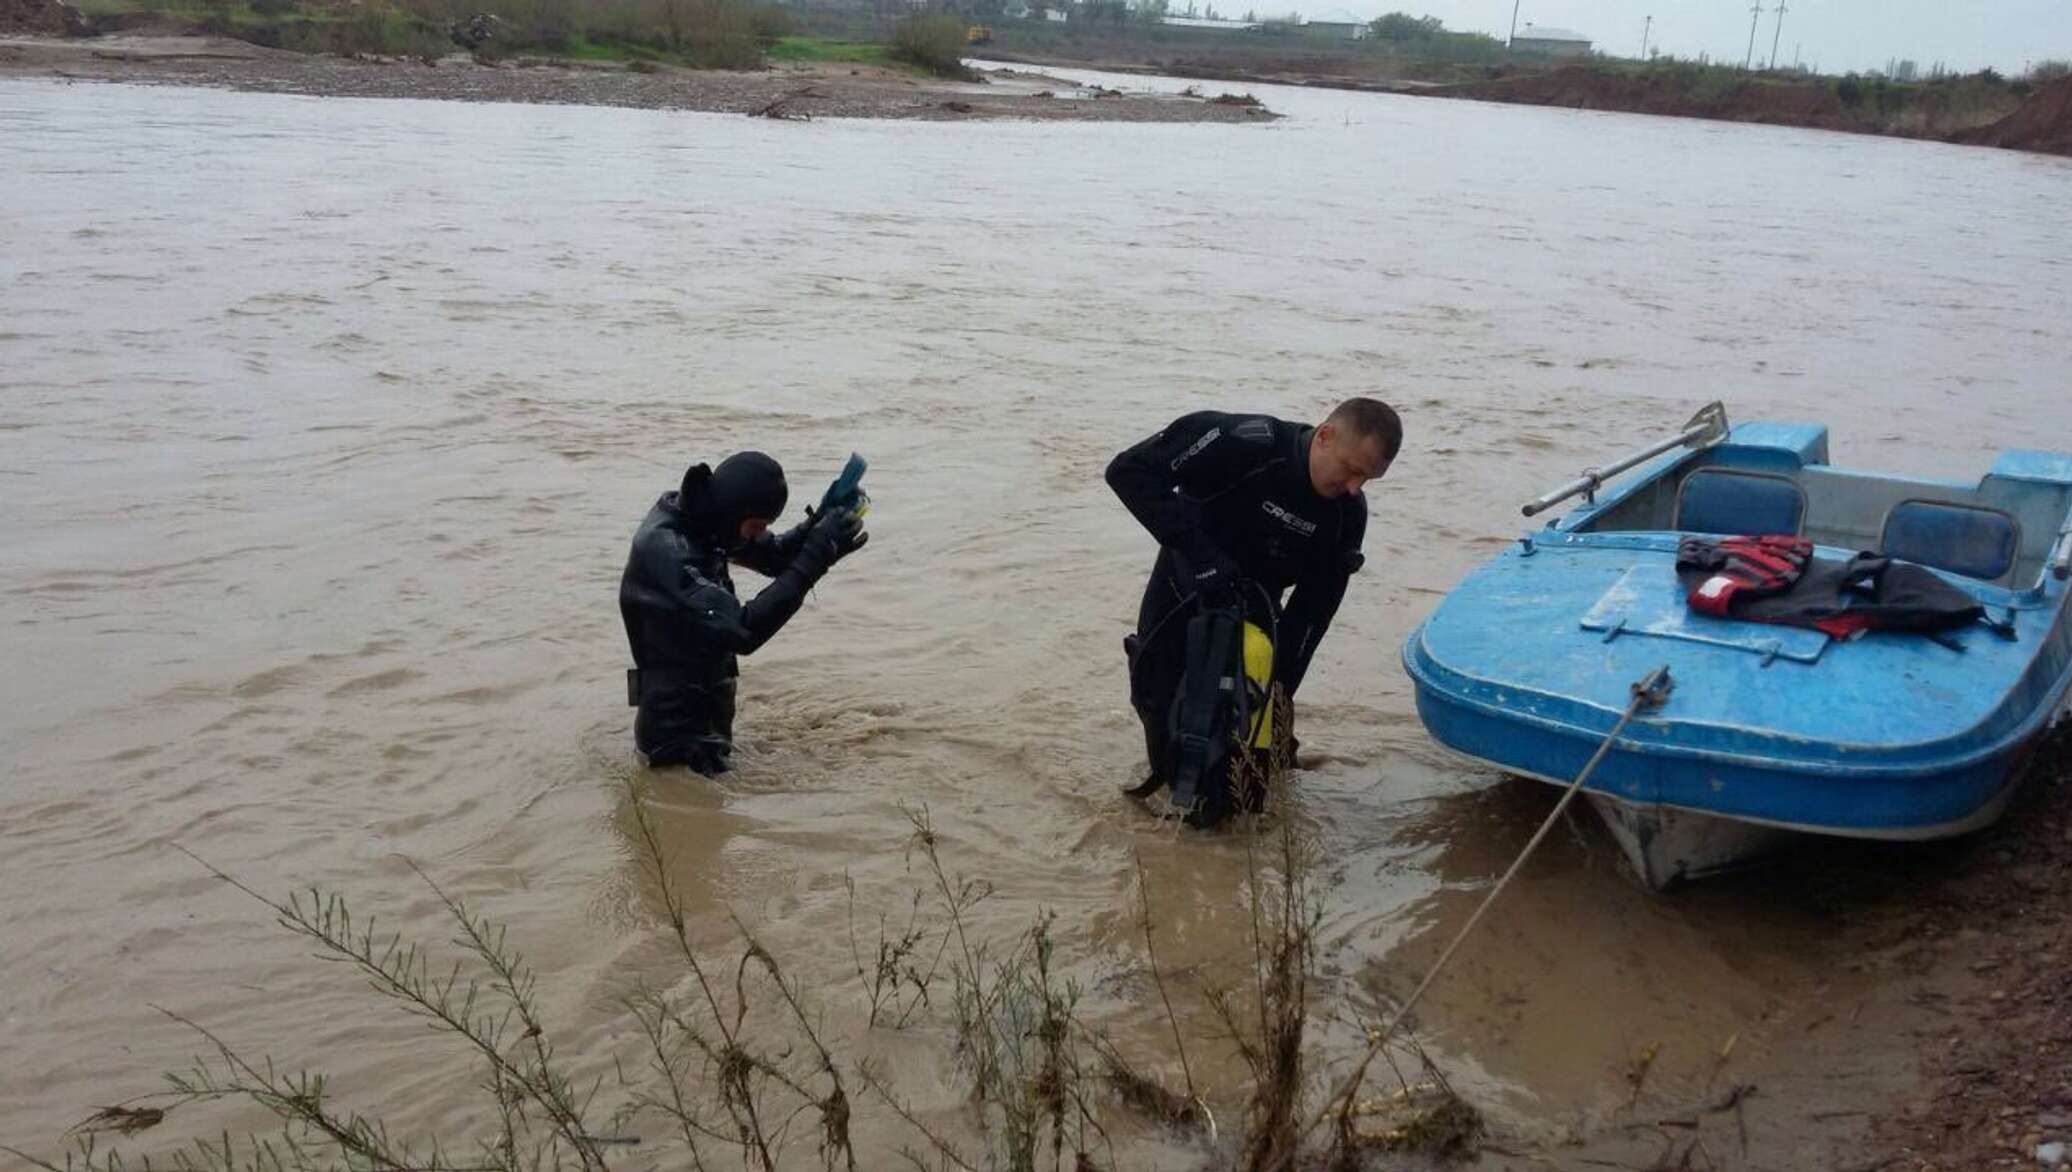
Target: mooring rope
{"x":1647,"y":692}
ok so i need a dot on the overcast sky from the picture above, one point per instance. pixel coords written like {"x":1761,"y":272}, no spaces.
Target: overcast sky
{"x":1837,"y":35}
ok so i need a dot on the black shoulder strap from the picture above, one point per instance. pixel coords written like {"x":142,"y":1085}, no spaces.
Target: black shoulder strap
{"x":1208,"y":690}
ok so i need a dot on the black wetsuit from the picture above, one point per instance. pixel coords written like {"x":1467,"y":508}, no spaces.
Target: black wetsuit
{"x":687,"y":627}
{"x":1233,"y":491}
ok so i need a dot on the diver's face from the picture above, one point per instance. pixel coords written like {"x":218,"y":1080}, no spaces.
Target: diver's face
{"x":751,"y":529}
{"x":1341,"y":462}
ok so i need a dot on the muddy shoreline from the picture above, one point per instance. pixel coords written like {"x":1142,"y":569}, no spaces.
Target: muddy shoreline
{"x":1933,"y":1033}
{"x":794,"y":91}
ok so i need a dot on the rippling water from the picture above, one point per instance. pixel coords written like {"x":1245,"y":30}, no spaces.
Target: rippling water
{"x":324,"y":423}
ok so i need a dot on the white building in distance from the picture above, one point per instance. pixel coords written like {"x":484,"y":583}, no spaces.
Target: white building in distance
{"x":1555,"y":42}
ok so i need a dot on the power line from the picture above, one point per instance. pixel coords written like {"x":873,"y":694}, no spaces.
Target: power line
{"x":1775,"y":35}
{"x":1755,"y":13}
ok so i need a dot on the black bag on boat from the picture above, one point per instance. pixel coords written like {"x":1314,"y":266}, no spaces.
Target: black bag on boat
{"x":1869,"y":592}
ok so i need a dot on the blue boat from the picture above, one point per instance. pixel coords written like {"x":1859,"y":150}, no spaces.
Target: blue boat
{"x":1770,"y":730}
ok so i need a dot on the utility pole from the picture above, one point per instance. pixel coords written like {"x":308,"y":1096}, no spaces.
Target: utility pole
{"x":1514,"y":24}
{"x":1644,"y":29}
{"x":1755,"y":13}
{"x":1777,"y":34}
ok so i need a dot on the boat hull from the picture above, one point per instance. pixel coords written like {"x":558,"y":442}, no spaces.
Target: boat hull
{"x":1896,"y":803}
{"x":1667,"y":843}
{"x":1684,"y":815}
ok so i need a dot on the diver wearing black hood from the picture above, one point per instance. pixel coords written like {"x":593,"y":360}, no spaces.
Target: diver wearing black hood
{"x":684,"y":623}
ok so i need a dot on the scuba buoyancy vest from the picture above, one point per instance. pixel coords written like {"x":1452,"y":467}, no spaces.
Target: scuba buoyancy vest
{"x":1776,"y":580}
{"x":1222,"y":718}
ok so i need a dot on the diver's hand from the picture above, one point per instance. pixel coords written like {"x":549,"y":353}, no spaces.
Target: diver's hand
{"x":837,"y":533}
{"x":1212,"y":579}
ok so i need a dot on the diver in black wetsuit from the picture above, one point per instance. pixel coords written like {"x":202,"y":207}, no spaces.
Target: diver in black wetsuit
{"x":1244,"y":509}
{"x":686,"y":626}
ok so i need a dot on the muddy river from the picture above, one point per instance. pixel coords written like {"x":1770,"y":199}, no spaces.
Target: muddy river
{"x":324,"y":424}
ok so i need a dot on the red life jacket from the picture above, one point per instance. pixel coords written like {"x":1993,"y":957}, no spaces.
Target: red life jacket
{"x":1742,"y":568}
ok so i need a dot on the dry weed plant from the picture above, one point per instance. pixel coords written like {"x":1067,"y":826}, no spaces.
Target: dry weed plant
{"x":734,"y":1067}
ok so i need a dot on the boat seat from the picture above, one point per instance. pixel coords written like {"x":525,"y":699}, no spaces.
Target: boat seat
{"x":1972,"y":540}
{"x":1736,"y":501}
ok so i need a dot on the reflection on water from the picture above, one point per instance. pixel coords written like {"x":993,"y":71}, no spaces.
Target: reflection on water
{"x":325,"y":424}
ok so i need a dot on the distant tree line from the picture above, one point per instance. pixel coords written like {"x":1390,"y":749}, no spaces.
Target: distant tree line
{"x":1428,"y":36}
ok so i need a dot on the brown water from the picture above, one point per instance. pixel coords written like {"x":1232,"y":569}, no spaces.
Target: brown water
{"x":323,"y":424}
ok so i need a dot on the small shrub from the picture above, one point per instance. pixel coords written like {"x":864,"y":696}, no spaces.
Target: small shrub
{"x":932,"y":40}
{"x":2046,"y":72}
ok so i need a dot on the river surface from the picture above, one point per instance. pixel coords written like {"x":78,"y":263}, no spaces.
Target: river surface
{"x":324,"y":424}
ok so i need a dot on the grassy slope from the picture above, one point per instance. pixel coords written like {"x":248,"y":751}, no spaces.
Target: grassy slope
{"x":594,"y":45}
{"x":400,"y":27}
{"x":803,"y":48}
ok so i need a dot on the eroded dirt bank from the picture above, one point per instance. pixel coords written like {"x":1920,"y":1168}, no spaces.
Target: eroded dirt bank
{"x":1960,"y":112}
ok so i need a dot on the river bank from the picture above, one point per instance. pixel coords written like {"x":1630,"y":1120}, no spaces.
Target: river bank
{"x":799,"y":90}
{"x":1966,"y":110}
{"x":1997,"y":929}
{"x":1959,"y":110}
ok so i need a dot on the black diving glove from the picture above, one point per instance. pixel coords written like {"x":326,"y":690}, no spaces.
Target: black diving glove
{"x":835,"y":534}
{"x":1210,"y":577}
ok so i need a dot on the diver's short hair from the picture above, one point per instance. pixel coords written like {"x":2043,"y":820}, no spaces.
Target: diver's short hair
{"x":1372,"y":419}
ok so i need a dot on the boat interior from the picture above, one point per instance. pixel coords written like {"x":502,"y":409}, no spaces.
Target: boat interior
{"x":2010,"y":529}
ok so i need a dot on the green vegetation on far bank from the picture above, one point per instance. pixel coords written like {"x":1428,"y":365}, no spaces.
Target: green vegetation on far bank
{"x":717,"y":34}
{"x":721,"y":34}
{"x":876,"y":54}
{"x":697,"y":34}
{"x":810,"y":48}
